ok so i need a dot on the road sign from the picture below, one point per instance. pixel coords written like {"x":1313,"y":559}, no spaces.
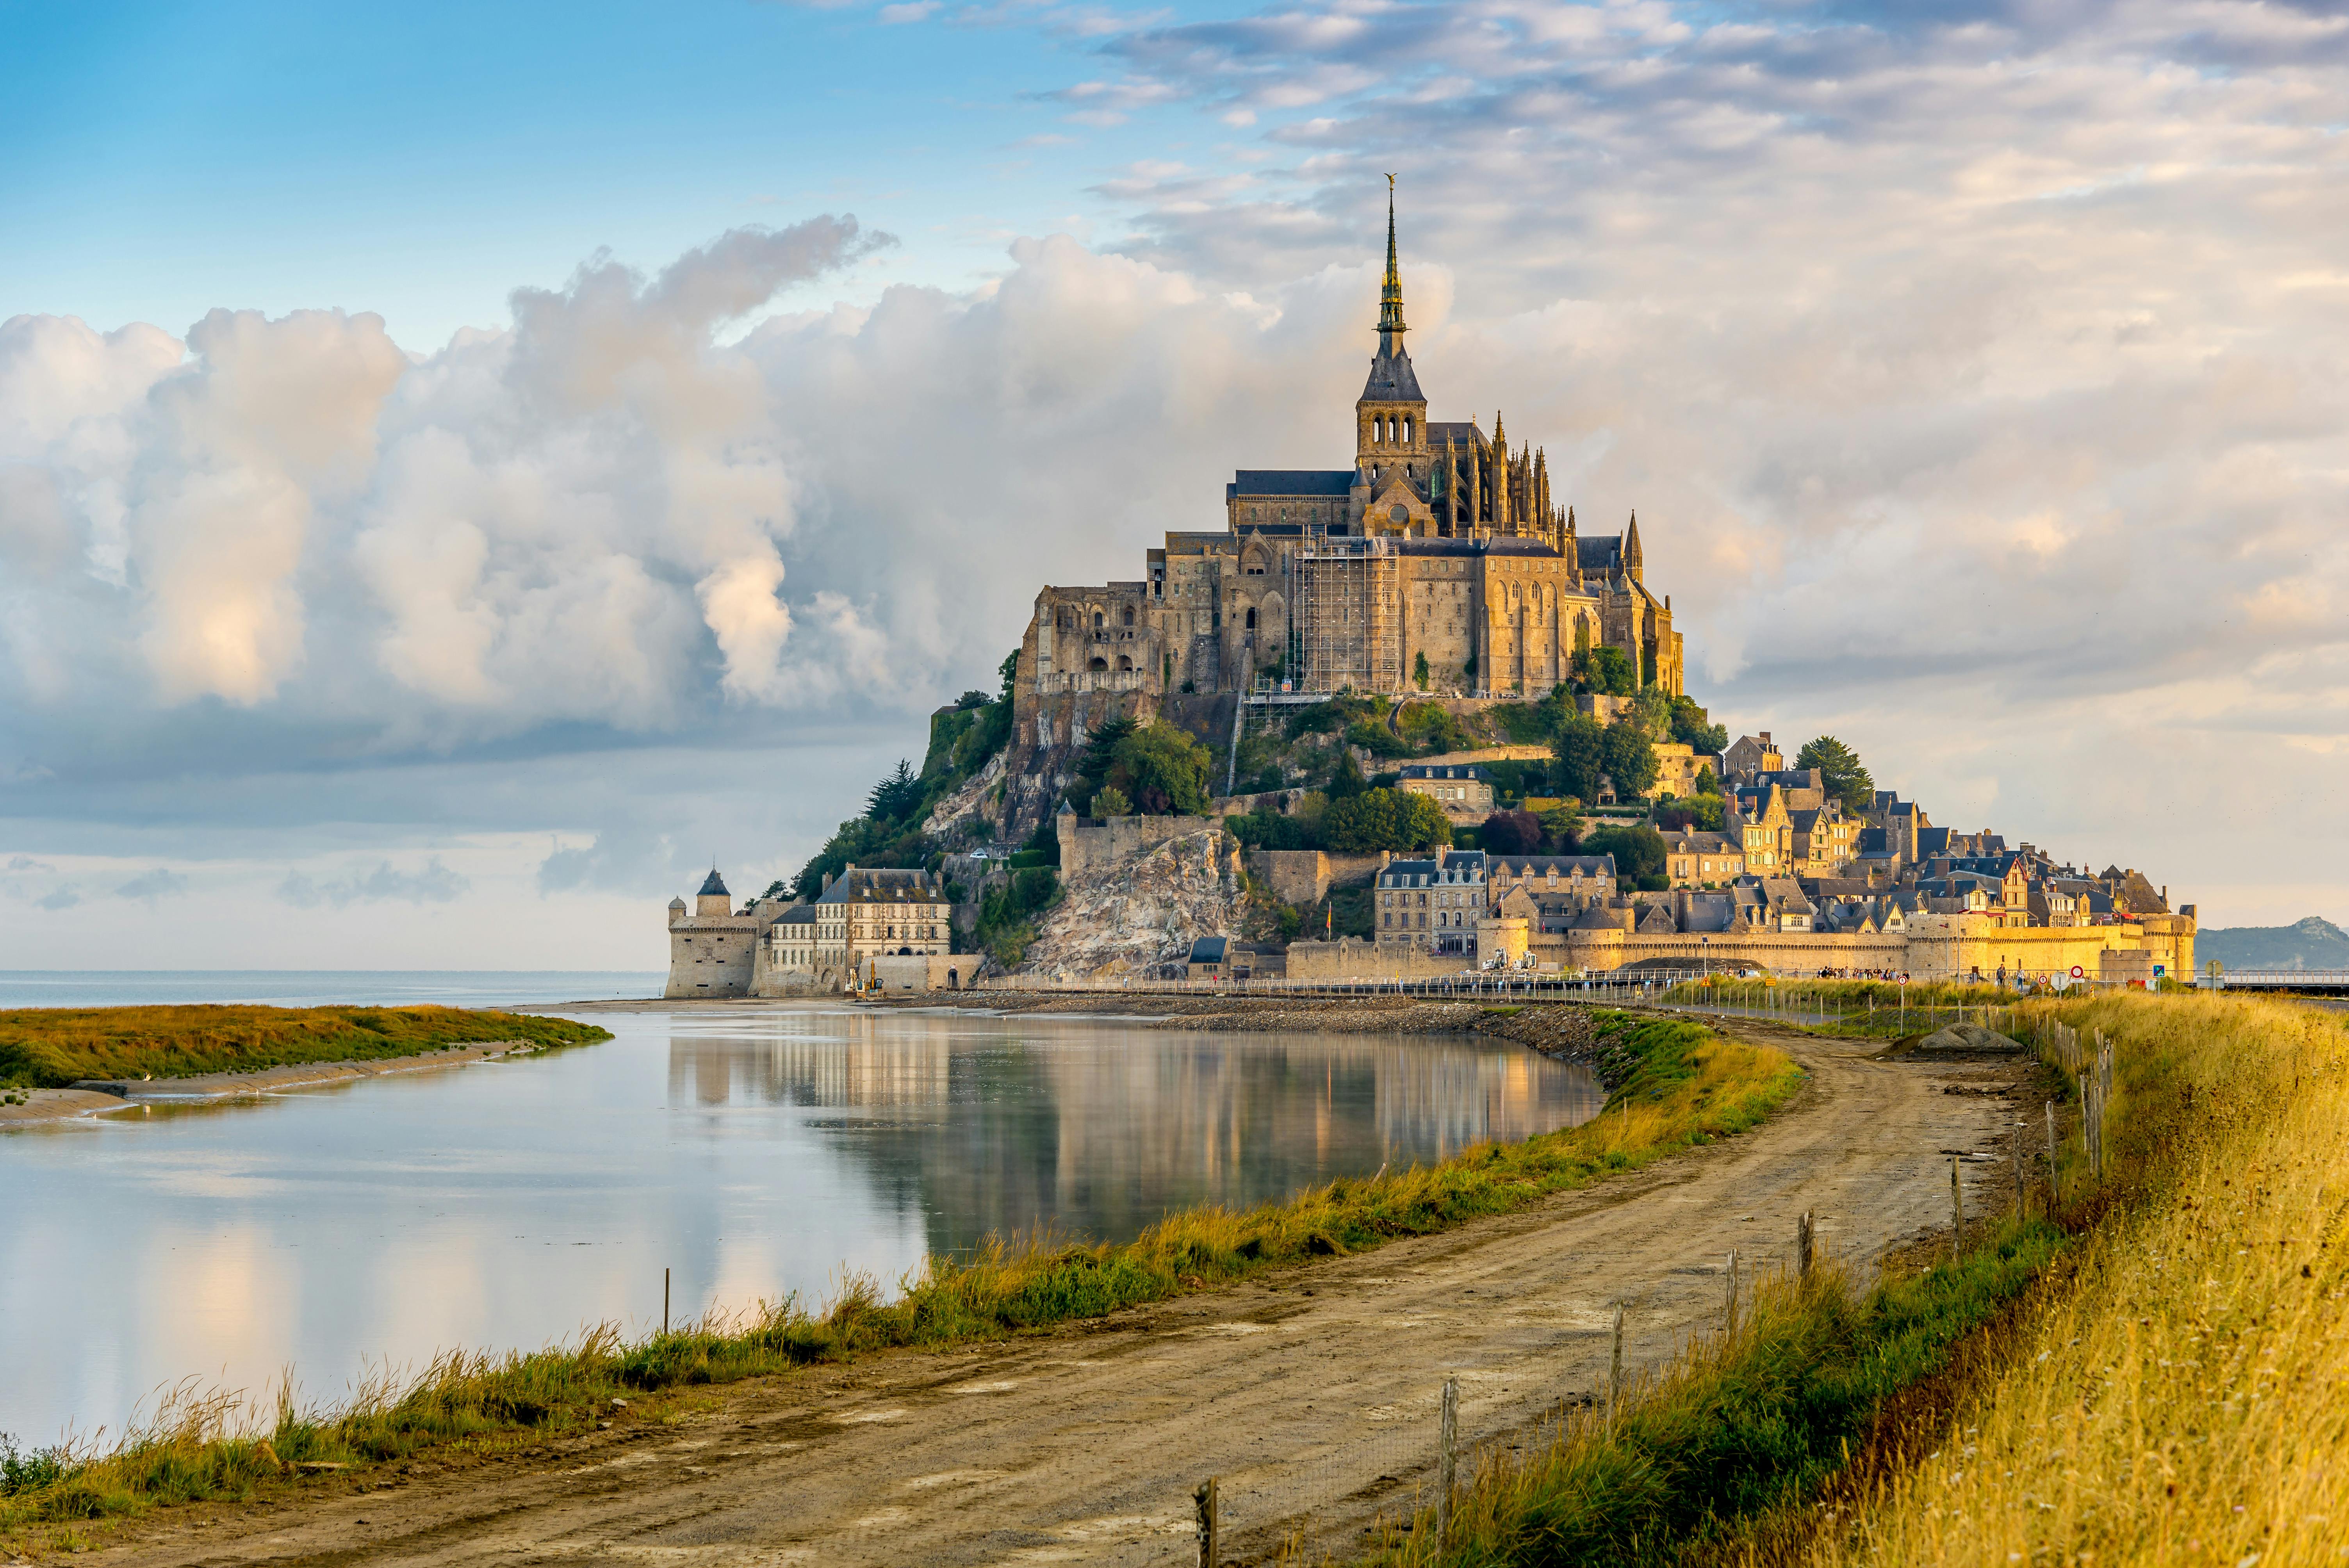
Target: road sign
{"x":2078,"y":973}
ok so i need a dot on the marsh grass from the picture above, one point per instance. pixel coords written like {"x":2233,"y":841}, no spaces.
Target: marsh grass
{"x":50,"y":1047}
{"x":1682,"y":1085}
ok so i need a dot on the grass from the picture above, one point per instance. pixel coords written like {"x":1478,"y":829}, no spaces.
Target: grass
{"x":1681,"y":1086}
{"x":50,"y":1048}
{"x":2184,"y":1396}
{"x":1742,"y":1422}
{"x":2177,"y":1391}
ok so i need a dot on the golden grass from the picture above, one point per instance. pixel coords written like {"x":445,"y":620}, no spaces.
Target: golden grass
{"x":50,"y":1047}
{"x":2182,"y":1395}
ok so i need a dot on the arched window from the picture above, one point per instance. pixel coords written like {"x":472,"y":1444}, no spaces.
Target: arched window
{"x":1097,"y":620}
{"x":1129,"y":615}
{"x":1124,"y":663}
{"x":1251,"y":620}
{"x":1406,"y":430}
{"x":1098,"y":665}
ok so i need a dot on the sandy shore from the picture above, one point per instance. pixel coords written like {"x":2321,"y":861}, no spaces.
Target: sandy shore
{"x":54,"y":1105}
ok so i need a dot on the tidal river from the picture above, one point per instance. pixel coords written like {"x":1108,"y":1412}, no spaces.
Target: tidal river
{"x":344,"y":1232}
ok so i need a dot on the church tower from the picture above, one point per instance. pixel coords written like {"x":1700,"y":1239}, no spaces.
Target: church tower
{"x":1391,"y":417}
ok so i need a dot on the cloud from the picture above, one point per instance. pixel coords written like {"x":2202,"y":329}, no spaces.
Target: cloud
{"x":159,"y":883}
{"x":433,"y":883}
{"x":28,"y":863}
{"x":58,"y":898}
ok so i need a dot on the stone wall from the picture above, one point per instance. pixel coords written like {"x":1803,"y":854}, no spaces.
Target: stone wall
{"x":1350,"y":958}
{"x":1097,"y":844}
{"x":1306,"y":876}
{"x":710,"y":955}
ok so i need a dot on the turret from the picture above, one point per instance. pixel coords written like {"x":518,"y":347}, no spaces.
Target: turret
{"x":713,"y":899}
{"x":1451,"y":485}
{"x":1501,"y":522}
{"x":1631,"y":548}
{"x":1572,"y":550}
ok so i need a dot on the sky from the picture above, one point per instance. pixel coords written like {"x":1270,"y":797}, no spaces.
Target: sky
{"x":464,"y":470}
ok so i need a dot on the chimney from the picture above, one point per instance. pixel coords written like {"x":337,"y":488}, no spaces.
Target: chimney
{"x":827,"y":882}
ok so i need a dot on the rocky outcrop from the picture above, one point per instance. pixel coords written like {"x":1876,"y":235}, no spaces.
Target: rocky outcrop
{"x":968,"y":801}
{"x":1139,"y":916}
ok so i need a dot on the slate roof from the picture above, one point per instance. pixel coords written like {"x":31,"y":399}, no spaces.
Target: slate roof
{"x":798,"y":915}
{"x":1210,"y":949}
{"x":1290,"y":481}
{"x":1468,"y":770}
{"x":1392,"y":380}
{"x":714,"y":885}
{"x":846,"y":885}
{"x":1601,"y":555}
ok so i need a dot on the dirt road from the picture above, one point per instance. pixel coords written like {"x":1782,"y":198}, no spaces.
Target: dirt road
{"x":1312,"y":1396}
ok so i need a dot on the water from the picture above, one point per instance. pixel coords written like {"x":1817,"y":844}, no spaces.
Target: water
{"x":316,"y":987}
{"x":753,"y":1151}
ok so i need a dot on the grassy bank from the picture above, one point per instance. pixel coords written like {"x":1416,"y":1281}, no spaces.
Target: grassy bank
{"x":50,"y":1047}
{"x":2177,"y":1392}
{"x":2184,"y":1396}
{"x":1680,"y":1085}
{"x":1740,"y":1424}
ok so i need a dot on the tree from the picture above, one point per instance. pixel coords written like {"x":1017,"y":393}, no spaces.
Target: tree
{"x":1581,"y":752}
{"x":1638,"y":851}
{"x":1845,"y":779}
{"x":1631,"y":757}
{"x":1111,"y":802}
{"x":1161,"y":769}
{"x":1561,"y":831}
{"x":1386,"y":819}
{"x":1101,"y":755}
{"x":1418,"y":669}
{"x":895,"y":797}
{"x":1690,"y":729}
{"x":1510,"y":833}
{"x":1609,"y":671}
{"x":1345,"y":779}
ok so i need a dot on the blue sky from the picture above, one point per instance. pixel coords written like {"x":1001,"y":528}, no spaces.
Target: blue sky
{"x":418,"y":160}
{"x":461,"y":469}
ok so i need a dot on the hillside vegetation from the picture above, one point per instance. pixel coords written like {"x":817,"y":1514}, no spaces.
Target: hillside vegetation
{"x":2312,"y":943}
{"x":50,"y":1047}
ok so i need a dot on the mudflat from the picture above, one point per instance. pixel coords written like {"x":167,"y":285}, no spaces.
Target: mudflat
{"x":52,"y":1105}
{"x":1312,"y":1394}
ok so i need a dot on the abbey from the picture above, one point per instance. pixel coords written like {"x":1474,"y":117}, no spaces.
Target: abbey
{"x":1437,"y":562}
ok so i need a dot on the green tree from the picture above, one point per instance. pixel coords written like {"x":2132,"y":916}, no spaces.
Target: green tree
{"x":1161,"y":770}
{"x":1561,"y":831}
{"x":1638,"y":851}
{"x":895,"y":797}
{"x":1100,"y":756}
{"x":1690,"y":730}
{"x":1418,"y":669}
{"x":1345,"y":779}
{"x":1581,"y":752}
{"x":1845,"y":779}
{"x":1631,"y":757}
{"x":1611,"y":672}
{"x":1510,"y":833}
{"x":1386,"y":819}
{"x":1111,"y":802}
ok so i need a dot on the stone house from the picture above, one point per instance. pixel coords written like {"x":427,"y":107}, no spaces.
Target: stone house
{"x":1462,"y":790}
{"x":1703,"y":860}
{"x":1433,"y":902}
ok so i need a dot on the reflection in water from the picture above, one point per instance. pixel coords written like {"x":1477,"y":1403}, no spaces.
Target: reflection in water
{"x":1007,"y":1126}
{"x":753,"y":1151}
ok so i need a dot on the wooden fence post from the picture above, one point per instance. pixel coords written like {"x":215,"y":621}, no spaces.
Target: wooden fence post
{"x":2052,"y":1191}
{"x":1732,"y":1290}
{"x":1803,"y":1233}
{"x":1448,"y":1439}
{"x":1957,"y":1210}
{"x":1615,"y":1372}
{"x":1205,"y":1498}
{"x":664,"y":1300}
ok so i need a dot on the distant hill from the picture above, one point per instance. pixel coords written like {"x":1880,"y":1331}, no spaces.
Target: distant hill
{"x":2311,"y":943}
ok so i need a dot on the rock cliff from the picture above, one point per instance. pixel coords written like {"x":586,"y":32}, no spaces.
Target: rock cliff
{"x":1141,"y":914}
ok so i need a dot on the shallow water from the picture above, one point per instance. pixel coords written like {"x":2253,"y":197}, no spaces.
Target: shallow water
{"x":751,"y":1151}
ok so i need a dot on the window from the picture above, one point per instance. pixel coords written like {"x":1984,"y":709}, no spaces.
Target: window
{"x":1251,"y":620}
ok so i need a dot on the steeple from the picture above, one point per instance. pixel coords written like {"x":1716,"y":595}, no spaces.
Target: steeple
{"x":1391,"y":416}
{"x":1632,"y":548}
{"x":1572,"y":550}
{"x":1391,"y":327}
{"x":1451,"y":486}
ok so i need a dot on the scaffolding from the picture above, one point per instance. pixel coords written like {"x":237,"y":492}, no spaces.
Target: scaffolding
{"x":1344,"y":627}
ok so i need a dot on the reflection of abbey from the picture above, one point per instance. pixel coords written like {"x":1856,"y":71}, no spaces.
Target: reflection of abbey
{"x":1437,"y":561}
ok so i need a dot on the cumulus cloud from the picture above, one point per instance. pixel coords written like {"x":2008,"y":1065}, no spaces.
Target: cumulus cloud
{"x":1970,"y":366}
{"x":433,"y":882}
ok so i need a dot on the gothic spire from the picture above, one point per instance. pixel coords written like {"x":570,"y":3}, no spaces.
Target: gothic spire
{"x":1390,"y":325}
{"x":1631,"y":563}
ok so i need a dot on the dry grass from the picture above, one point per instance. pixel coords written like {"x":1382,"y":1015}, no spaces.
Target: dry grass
{"x":1685,"y":1086}
{"x":50,"y":1047}
{"x":2184,"y":1396}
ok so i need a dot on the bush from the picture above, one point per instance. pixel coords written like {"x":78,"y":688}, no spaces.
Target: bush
{"x":1377,"y":739}
{"x":1511,"y":833}
{"x":1638,"y":851}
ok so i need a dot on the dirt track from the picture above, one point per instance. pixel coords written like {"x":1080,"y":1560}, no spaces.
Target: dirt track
{"x":1311,"y":1395}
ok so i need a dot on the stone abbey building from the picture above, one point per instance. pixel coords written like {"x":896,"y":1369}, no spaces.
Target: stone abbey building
{"x":1438,"y":561}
